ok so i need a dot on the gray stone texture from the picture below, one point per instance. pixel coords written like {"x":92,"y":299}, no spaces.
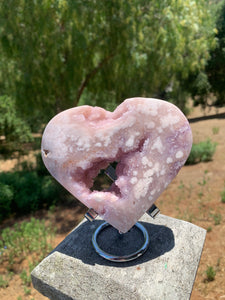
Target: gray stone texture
{"x":166,"y":271}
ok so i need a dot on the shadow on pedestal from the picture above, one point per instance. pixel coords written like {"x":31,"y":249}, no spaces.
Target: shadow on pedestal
{"x":78,"y":243}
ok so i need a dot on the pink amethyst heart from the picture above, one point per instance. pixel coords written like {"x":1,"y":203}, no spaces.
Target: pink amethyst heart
{"x":149,"y":138}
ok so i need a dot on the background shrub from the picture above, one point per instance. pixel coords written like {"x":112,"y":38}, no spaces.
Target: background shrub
{"x":6,"y":196}
{"x":201,"y":152}
{"x":40,"y":167}
{"x":28,"y":188}
{"x":25,"y":192}
{"x":14,"y":129}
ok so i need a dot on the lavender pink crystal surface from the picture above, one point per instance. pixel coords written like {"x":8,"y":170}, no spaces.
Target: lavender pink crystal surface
{"x":151,"y":139}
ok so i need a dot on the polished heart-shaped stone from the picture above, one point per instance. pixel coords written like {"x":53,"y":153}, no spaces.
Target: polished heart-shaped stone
{"x":149,"y":138}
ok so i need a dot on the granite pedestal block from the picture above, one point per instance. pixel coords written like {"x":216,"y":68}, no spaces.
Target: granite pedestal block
{"x":167,"y":270}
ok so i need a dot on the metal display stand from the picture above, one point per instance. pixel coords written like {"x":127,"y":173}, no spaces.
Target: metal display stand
{"x":92,"y":214}
{"x":120,"y":258}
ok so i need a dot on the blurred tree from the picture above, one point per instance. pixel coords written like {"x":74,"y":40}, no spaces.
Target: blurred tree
{"x":216,"y":66}
{"x":207,"y":87}
{"x":12,"y":128}
{"x":55,"y":54}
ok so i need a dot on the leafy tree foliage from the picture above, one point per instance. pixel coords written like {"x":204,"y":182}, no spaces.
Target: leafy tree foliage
{"x":207,"y":87}
{"x":59,"y":54}
{"x":216,"y":65}
{"x":12,"y":128}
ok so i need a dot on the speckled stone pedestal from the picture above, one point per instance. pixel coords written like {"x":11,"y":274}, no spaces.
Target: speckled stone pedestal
{"x":166,"y":271}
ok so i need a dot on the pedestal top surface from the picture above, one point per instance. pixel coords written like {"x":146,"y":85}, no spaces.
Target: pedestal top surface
{"x":167,"y":270}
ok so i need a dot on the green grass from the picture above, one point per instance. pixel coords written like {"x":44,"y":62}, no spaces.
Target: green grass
{"x":210,"y":273}
{"x":3,"y":282}
{"x":223,"y":196}
{"x":209,"y":229}
{"x":25,"y":277}
{"x":27,"y":291}
{"x":25,"y":239}
{"x":31,"y":239}
{"x":215,"y":130}
{"x":201,"y":152}
{"x":217,"y":218}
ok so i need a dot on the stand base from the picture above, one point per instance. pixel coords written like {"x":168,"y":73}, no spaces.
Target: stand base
{"x":167,"y":270}
{"x":120,"y":258}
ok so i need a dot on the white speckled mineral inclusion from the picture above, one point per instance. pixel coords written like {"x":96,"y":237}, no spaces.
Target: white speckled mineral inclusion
{"x":149,"y":138}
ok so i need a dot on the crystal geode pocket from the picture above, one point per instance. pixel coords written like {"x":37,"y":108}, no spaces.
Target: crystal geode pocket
{"x":149,"y":138}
